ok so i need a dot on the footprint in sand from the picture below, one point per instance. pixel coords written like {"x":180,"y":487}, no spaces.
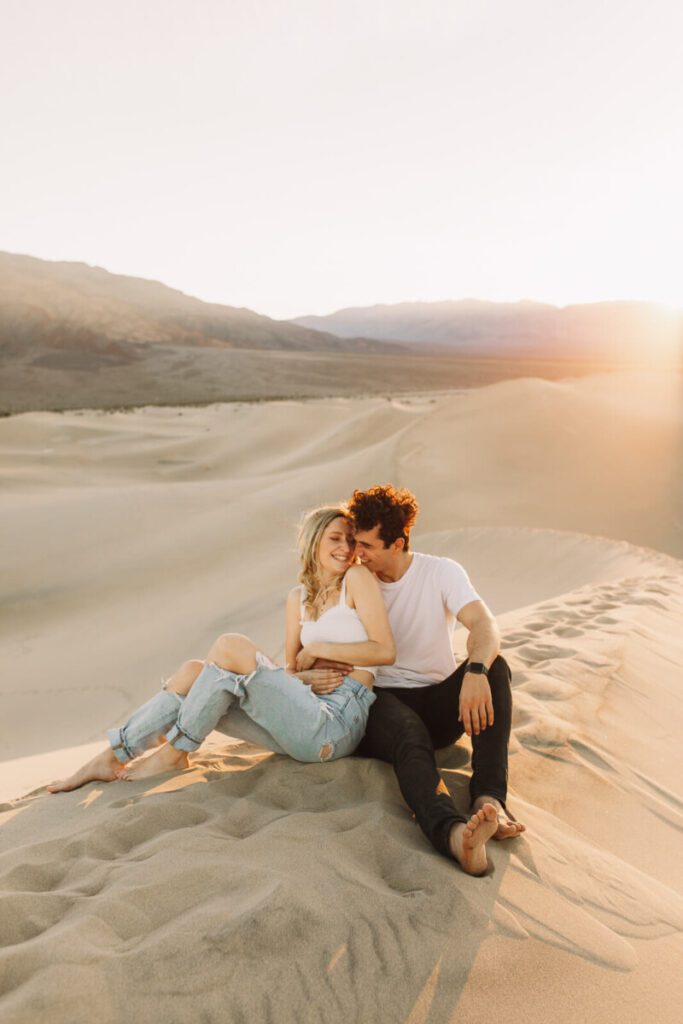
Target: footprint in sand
{"x":544,"y":652}
{"x":25,"y":915}
{"x":37,"y":877}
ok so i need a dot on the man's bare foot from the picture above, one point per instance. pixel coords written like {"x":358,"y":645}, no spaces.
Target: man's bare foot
{"x":467,"y":842}
{"x":508,"y":828}
{"x":103,"y":767}
{"x":164,"y":759}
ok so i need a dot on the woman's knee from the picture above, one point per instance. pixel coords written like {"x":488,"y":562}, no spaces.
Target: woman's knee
{"x":181,"y":682}
{"x":234,"y":652}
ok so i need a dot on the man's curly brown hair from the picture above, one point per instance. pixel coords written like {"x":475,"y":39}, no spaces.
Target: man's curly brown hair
{"x":394,"y":511}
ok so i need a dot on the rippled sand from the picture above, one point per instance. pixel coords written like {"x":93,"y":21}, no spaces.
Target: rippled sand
{"x":255,"y":888}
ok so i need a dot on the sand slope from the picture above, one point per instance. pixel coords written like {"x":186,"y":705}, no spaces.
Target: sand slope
{"x":255,"y":888}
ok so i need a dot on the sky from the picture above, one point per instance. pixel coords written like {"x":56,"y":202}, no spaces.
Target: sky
{"x":301,"y":156}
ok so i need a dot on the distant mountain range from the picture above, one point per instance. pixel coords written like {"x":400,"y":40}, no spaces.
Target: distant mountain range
{"x":74,"y":336}
{"x":71,"y":307}
{"x":613,"y":331}
{"x":50,"y":307}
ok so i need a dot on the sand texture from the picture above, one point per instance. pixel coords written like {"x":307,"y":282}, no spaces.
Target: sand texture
{"x":252,"y":888}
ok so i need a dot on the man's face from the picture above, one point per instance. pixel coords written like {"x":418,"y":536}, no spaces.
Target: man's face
{"x":371,"y":551}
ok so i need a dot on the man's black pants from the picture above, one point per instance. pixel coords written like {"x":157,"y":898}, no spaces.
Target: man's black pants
{"x":407,"y":724}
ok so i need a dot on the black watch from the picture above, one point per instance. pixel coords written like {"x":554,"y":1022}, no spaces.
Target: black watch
{"x":478,"y":668}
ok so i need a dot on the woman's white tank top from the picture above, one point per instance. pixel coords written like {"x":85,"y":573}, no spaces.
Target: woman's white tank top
{"x":338,"y":625}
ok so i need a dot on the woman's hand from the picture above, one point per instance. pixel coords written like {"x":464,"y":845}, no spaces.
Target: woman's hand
{"x":305,"y":659}
{"x":321,"y":680}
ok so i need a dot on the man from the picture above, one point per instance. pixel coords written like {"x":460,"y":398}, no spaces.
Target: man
{"x":423,"y":700}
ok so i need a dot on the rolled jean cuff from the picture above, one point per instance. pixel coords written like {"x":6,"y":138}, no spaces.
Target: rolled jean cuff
{"x":121,"y":752}
{"x":182,"y":740}
{"x":489,"y":791}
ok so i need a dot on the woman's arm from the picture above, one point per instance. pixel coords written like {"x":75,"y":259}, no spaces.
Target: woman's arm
{"x":379,"y":648}
{"x":292,"y":629}
{"x":321,"y":680}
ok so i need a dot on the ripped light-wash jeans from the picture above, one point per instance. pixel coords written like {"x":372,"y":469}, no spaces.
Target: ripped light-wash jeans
{"x":307,"y":726}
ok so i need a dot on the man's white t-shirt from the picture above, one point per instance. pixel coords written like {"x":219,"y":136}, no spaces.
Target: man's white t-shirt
{"x":422,"y":607}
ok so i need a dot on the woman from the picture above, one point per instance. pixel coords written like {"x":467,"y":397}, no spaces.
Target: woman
{"x":336,"y":612}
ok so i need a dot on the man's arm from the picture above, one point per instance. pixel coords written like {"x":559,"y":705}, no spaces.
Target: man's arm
{"x":483,"y":645}
{"x":483,"y":639}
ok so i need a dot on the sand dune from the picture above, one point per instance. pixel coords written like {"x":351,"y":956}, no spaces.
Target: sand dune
{"x":254,"y":888}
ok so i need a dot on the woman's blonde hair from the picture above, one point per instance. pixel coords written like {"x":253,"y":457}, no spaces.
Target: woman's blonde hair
{"x":313,"y":525}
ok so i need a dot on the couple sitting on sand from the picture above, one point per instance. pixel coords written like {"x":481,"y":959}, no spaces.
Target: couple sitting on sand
{"x":369,"y":669}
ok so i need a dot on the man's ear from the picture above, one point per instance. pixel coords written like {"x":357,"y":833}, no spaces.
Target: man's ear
{"x":400,"y":543}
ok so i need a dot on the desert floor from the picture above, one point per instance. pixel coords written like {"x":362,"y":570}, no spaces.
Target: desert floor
{"x":254,"y":888}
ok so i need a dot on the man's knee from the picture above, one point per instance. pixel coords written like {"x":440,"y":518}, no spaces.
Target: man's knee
{"x":500,"y":669}
{"x":499,"y":678}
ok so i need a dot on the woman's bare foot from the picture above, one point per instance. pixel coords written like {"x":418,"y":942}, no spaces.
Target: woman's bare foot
{"x":508,"y":828}
{"x":164,"y":759}
{"x":103,"y":767}
{"x":467,"y":842}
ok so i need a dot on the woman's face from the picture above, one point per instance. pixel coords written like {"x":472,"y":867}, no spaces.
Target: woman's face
{"x":337,"y":547}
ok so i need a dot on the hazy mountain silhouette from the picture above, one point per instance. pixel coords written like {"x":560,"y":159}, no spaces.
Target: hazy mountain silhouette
{"x":613,"y":331}
{"x":74,"y":336}
{"x":51,"y":307}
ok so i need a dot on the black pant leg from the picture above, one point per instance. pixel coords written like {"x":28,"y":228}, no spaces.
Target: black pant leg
{"x":397,"y":734}
{"x":441,"y":703}
{"x":490,"y":747}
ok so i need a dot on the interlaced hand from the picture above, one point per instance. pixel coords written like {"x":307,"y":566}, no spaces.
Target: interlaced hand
{"x":304,"y":660}
{"x":321,"y":680}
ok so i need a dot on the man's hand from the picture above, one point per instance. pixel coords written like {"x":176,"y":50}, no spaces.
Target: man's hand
{"x":321,"y":680}
{"x":304,"y":660}
{"x":340,"y":666}
{"x":476,"y":704}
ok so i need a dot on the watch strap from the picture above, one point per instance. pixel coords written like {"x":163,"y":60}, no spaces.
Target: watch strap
{"x":478,"y":667}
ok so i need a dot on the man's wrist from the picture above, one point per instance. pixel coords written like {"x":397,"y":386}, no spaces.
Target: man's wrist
{"x":477,"y":668}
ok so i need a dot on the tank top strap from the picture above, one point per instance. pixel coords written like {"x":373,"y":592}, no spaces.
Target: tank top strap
{"x":302,"y":600}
